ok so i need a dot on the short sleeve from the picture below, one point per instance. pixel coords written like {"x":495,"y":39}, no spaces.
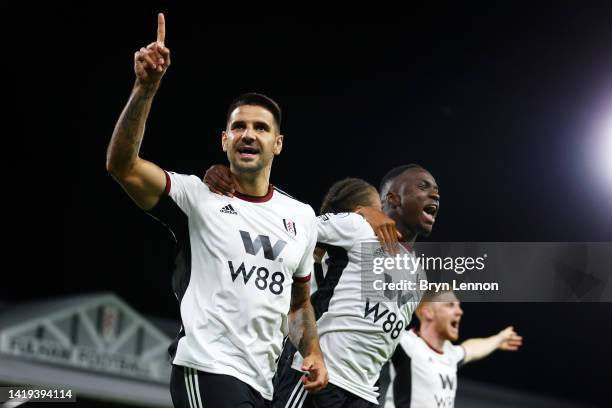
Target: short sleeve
{"x":341,"y":230}
{"x":458,"y":354}
{"x":183,"y":190}
{"x":407,"y":342}
{"x":305,"y":267}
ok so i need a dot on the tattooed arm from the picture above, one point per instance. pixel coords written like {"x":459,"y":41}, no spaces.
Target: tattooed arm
{"x":142,"y":180}
{"x":303,"y":335}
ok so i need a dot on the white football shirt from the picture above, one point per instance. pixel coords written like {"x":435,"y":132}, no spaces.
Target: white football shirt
{"x":236,"y":260}
{"x":428,"y":378}
{"x":357,"y":336}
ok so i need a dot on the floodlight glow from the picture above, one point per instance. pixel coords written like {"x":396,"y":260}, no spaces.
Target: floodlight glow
{"x":598,"y":152}
{"x":604,"y":153}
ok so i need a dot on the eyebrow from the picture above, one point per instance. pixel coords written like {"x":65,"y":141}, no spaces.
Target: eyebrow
{"x":428,"y":183}
{"x":263,"y":125}
{"x":256,"y":125}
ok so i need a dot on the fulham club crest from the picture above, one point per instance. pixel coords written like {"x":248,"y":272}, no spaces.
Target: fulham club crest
{"x":290,"y":226}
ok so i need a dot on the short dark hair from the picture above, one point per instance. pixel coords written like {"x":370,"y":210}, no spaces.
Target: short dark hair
{"x":256,"y":99}
{"x":386,"y":181}
{"x":345,"y":195}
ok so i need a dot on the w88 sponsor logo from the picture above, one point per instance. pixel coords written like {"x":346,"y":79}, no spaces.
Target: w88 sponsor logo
{"x":262,"y":278}
{"x":390,"y":321}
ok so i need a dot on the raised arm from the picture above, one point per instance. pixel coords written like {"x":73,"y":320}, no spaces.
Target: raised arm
{"x":506,"y":339}
{"x":142,"y":180}
{"x":303,"y":335}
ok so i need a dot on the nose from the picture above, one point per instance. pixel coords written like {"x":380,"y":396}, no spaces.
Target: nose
{"x":434,"y":195}
{"x":247,"y":135}
{"x":459,"y":311}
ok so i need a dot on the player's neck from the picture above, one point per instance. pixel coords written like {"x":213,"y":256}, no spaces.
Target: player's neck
{"x":408,"y":236}
{"x":252,"y":184}
{"x":432,"y":337}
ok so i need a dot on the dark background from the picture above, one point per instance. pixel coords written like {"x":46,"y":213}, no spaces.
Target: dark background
{"x":501,"y":105}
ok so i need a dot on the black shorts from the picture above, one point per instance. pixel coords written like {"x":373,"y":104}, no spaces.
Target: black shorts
{"x":191,"y":388}
{"x":289,"y":391}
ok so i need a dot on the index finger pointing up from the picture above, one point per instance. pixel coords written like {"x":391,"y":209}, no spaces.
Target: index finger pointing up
{"x":161,"y":28}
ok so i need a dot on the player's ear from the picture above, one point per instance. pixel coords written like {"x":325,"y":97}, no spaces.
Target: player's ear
{"x":427,"y":311}
{"x":224,"y":141}
{"x":278,"y":144}
{"x":393,"y":199}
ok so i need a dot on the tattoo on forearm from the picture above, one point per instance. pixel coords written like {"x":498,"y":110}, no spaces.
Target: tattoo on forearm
{"x":129,"y":131}
{"x":303,"y":330}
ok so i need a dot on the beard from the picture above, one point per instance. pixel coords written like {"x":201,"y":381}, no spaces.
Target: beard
{"x":247,"y":168}
{"x":251,"y":167}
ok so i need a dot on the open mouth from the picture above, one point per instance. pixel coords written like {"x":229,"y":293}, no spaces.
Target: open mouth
{"x":429,"y":212}
{"x":455,"y":324}
{"x":247,"y":151}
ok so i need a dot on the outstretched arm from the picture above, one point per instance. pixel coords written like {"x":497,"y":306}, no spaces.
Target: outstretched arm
{"x":303,"y":335}
{"x":142,"y":180}
{"x":506,"y":339}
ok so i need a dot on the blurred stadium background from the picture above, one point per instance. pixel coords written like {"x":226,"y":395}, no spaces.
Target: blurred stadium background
{"x":507,"y":105}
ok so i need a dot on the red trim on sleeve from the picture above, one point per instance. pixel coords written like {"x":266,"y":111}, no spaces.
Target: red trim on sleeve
{"x":303,"y":279}
{"x":168,"y":183}
{"x":255,"y":199}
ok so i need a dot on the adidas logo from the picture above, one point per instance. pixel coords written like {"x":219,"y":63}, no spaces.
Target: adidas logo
{"x":228,"y":209}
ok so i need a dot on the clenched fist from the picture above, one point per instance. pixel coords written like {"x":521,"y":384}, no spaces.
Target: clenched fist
{"x":151,"y":63}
